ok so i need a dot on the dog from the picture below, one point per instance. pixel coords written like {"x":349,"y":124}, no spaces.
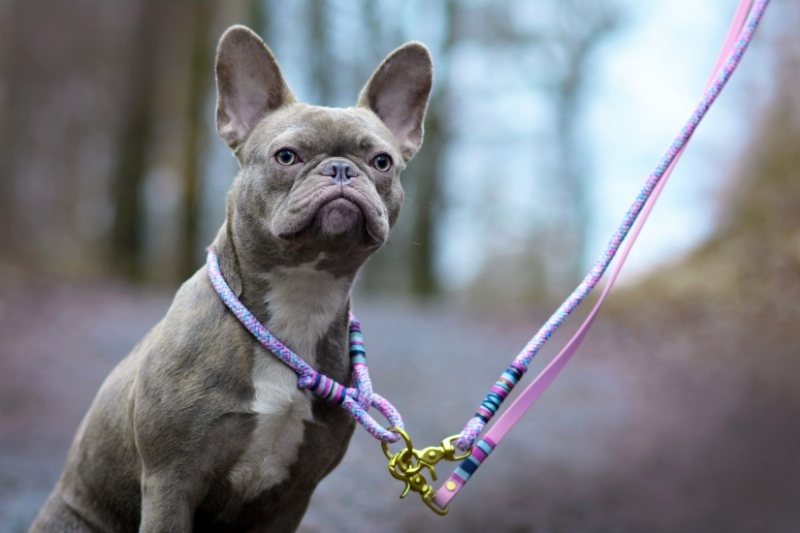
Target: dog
{"x":200,"y":428}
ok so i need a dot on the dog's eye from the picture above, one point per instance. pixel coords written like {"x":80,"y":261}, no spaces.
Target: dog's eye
{"x":286,"y":157}
{"x":382,"y":162}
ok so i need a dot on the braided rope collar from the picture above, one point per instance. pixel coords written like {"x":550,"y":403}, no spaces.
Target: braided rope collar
{"x":355,"y":400}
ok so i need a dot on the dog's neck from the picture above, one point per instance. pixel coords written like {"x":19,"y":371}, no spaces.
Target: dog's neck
{"x":305,"y":307}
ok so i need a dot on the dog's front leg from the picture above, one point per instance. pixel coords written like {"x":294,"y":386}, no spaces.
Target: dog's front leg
{"x":166,"y":504}
{"x":168,"y":440}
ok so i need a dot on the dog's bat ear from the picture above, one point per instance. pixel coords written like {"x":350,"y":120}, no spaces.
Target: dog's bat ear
{"x":398,"y":93}
{"x":249,"y":84}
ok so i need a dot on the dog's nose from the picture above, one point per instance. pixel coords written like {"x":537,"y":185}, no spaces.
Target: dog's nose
{"x":340,"y":171}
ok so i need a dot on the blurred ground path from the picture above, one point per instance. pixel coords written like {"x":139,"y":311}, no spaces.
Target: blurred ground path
{"x":57,"y":344}
{"x":629,"y":439}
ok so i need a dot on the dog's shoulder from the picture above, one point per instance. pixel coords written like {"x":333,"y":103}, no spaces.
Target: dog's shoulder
{"x":197,"y":335}
{"x":194,"y":368}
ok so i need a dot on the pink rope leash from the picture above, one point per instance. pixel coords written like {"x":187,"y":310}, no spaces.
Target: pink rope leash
{"x":743,"y":26}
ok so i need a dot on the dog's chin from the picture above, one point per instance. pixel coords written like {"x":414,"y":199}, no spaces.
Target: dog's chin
{"x":336,"y":221}
{"x":339,"y":219}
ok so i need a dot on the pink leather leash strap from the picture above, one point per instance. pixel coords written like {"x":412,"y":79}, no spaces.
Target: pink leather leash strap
{"x":738,"y":38}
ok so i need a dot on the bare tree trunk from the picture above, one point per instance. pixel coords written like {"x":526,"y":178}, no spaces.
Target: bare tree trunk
{"x":200,"y":69}
{"x":134,"y":138}
{"x":321,"y":57}
{"x":256,"y":14}
{"x":428,"y":172}
{"x":589,"y":26}
{"x":568,"y":172}
{"x":12,"y":70}
{"x":427,"y":203}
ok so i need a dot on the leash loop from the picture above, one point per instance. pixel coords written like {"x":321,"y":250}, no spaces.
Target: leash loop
{"x":355,"y":400}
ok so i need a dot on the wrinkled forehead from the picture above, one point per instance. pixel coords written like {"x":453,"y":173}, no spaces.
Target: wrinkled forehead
{"x":315,"y":129}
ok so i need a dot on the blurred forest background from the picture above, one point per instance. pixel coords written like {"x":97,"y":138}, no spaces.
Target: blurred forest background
{"x":681,"y":414}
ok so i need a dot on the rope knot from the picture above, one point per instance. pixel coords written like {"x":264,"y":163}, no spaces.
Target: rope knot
{"x":307,"y":379}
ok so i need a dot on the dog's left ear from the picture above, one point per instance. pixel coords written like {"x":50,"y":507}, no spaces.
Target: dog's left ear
{"x":249,"y":84}
{"x":398,"y":93}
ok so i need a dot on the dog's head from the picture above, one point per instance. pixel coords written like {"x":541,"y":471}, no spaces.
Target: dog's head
{"x":317,"y":178}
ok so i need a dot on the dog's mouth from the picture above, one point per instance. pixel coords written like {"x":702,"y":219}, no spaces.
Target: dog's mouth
{"x":338,"y":217}
{"x":334,"y":212}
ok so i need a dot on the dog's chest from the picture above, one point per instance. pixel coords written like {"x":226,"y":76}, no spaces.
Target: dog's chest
{"x":302,"y":304}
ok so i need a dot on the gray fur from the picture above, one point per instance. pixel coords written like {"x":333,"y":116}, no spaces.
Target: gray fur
{"x":173,"y":437}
